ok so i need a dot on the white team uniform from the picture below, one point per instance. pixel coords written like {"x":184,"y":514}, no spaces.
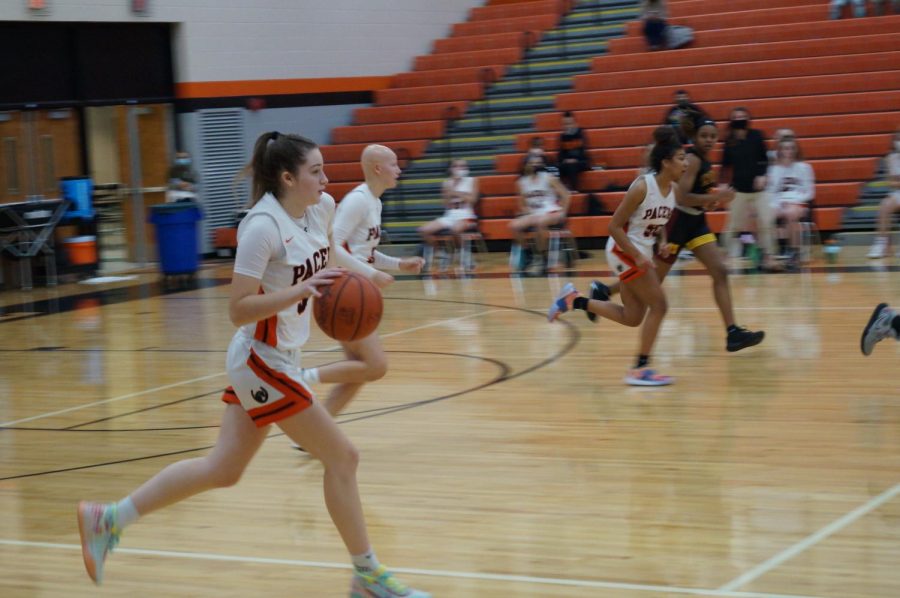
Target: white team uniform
{"x":263,"y":359}
{"x":459,"y":210}
{"x":540,"y":197}
{"x":358,"y":223}
{"x":642,"y":228}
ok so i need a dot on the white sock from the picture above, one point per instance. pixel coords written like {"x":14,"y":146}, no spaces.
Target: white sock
{"x":366,"y":563}
{"x":310,"y":375}
{"x":126,"y":512}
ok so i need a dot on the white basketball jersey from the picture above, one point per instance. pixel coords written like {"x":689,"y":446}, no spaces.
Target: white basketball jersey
{"x":539,"y":194}
{"x":459,"y":209}
{"x":649,"y":217}
{"x":363,"y":209}
{"x":307,"y":248}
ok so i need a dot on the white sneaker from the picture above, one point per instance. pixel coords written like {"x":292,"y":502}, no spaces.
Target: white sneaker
{"x":878,"y":249}
{"x":878,"y":328}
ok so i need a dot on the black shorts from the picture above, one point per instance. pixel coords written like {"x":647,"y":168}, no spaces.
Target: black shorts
{"x":686,"y":231}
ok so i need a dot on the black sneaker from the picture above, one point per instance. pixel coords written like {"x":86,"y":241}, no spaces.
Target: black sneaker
{"x":599,"y":292}
{"x":741,"y":338}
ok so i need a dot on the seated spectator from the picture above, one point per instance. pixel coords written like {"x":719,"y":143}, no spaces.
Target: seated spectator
{"x":791,"y":186}
{"x":536,"y":150}
{"x":779,"y":135}
{"x":683,"y":109}
{"x":543,"y":203}
{"x":573,"y":157}
{"x":182,"y":179}
{"x":459,"y":192}
{"x":859,"y":7}
{"x":659,"y":33}
{"x":889,"y":204}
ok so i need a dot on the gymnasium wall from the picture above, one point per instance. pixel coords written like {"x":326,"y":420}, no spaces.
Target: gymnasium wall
{"x":237,"y":40}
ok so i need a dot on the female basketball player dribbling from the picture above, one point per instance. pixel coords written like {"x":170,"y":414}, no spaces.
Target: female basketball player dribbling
{"x":282,"y":259}
{"x":357,"y":227}
{"x":636,"y":227}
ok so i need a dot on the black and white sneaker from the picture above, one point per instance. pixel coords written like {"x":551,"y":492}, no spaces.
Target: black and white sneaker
{"x":598,"y":292}
{"x":741,"y":338}
{"x":878,"y":328}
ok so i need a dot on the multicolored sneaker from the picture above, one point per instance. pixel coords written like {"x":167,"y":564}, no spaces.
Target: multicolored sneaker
{"x":599,"y":292}
{"x":381,"y":583}
{"x":878,"y":328}
{"x":99,"y":535}
{"x":647,"y":377}
{"x":563,"y":301}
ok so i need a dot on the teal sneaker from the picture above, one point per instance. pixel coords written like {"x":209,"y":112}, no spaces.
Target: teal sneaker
{"x":99,"y":535}
{"x":382,"y":584}
{"x":563,"y":302}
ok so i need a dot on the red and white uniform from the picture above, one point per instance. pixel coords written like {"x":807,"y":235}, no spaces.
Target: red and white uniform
{"x":540,"y":197}
{"x":263,"y":359}
{"x":357,"y":228}
{"x":642,"y":229}
{"x":458,"y":210}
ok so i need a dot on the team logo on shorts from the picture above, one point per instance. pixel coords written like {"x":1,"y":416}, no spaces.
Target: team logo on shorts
{"x":261,"y":395}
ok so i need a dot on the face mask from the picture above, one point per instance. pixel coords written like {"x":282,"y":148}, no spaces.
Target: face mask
{"x":683,"y":103}
{"x":739,"y":124}
{"x":460,"y":172}
{"x":183,"y":161}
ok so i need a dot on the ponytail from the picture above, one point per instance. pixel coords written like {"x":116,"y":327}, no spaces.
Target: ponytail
{"x":273,"y":154}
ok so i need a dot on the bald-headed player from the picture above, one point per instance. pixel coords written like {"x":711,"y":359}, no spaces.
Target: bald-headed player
{"x":357,"y":227}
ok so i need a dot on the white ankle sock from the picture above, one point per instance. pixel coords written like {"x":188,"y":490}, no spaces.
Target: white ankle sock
{"x":366,"y":563}
{"x":310,"y":375}
{"x":126,"y":513}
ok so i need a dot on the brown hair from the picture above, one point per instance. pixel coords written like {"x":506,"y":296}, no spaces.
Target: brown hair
{"x":273,"y":154}
{"x":798,"y":155}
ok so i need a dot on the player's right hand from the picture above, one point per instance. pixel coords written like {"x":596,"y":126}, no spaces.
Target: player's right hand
{"x":322,"y":278}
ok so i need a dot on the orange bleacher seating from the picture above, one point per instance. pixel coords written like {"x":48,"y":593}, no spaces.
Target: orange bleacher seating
{"x":741,"y":71}
{"x":727,"y":20}
{"x":490,"y":41}
{"x":766,"y":33}
{"x":424,"y":95}
{"x":475,"y":58}
{"x":339,"y":190}
{"x":391,"y":132}
{"x":542,"y":22}
{"x":847,"y":103}
{"x":803,"y":127}
{"x":392,"y":114}
{"x":836,"y":46}
{"x":470,"y":74}
{"x":343,"y":172}
{"x":765,"y":88}
{"x":705,"y":7}
{"x":519,"y":9}
{"x":351,"y":152}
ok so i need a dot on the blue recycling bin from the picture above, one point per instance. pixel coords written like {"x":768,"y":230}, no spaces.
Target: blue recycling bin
{"x":79,"y":190}
{"x":176,"y":236}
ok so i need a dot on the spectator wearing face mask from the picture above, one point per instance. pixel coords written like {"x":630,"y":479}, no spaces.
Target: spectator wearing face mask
{"x":460,"y":192}
{"x":573,"y":157}
{"x":684,"y":109}
{"x":744,"y":165}
{"x":859,"y":7}
{"x":182,"y":178}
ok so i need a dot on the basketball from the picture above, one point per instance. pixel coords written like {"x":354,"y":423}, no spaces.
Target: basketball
{"x":349,"y":309}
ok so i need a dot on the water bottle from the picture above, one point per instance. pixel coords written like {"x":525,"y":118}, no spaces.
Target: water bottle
{"x":832,"y":249}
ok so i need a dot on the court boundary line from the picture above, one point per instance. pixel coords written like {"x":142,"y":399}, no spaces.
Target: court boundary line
{"x":811,"y":540}
{"x":210,"y":376}
{"x":501,"y":577}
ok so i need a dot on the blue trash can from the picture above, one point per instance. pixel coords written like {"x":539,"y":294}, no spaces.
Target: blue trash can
{"x":176,"y":236}
{"x":79,"y":191}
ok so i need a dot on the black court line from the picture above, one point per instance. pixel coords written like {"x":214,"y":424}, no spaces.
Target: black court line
{"x":505,"y":376}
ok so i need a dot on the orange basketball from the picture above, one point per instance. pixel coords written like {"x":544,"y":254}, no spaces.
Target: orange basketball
{"x":349,"y":309}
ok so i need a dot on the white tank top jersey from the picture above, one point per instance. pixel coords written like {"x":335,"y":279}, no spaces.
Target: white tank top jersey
{"x":650,"y":216}
{"x":538,"y":193}
{"x":358,"y":223}
{"x":306,"y":251}
{"x":461,"y":209}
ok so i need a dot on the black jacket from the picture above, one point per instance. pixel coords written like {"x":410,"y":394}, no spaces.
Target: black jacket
{"x":747,"y":159}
